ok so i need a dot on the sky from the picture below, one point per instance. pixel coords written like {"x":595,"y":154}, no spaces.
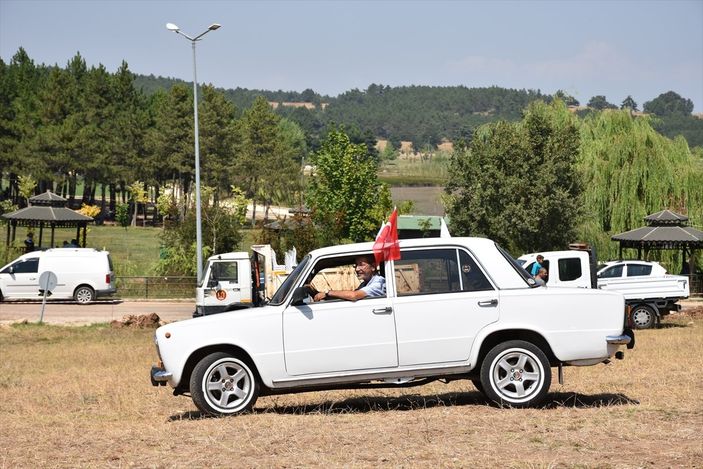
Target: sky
{"x":615,"y":48}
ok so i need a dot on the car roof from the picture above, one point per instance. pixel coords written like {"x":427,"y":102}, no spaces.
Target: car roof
{"x":470,"y":242}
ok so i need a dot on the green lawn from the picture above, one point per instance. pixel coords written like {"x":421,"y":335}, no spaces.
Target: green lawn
{"x":134,"y":251}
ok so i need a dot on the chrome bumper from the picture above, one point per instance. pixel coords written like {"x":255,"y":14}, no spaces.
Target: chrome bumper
{"x":626,"y":338}
{"x":159,"y":376}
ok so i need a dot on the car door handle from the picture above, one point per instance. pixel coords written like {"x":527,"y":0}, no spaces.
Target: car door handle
{"x":486,"y":303}
{"x":386,"y":310}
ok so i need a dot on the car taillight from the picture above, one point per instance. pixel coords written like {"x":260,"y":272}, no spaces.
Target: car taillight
{"x":628,"y":316}
{"x":107,"y":278}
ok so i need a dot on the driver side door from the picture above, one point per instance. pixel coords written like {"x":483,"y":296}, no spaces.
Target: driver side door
{"x":335,"y":336}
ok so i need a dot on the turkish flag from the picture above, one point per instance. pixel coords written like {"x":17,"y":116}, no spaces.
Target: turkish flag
{"x":386,"y":247}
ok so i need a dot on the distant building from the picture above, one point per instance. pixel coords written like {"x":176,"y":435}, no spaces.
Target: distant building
{"x":421,"y":226}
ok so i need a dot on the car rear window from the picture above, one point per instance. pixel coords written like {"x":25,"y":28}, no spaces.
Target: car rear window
{"x":638,"y":270}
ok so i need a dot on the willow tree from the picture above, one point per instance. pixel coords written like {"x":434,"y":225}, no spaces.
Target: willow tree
{"x":629,"y":171}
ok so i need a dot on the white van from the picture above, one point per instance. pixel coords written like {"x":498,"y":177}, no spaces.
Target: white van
{"x":82,"y":274}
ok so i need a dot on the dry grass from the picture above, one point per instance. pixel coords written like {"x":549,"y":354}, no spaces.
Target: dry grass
{"x":81,"y":397}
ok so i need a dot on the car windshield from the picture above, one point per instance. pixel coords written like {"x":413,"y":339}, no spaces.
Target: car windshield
{"x":202,"y":280}
{"x":517,"y":266}
{"x":288,"y":283}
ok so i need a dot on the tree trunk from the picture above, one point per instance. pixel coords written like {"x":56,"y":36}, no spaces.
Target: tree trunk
{"x":253,"y":213}
{"x":113,"y":198}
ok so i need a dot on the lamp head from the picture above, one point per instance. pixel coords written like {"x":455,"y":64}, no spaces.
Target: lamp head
{"x":214,"y":26}
{"x":172,"y":27}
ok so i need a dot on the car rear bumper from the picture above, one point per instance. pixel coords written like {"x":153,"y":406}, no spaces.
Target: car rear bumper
{"x":626,"y":338}
{"x":105,"y":292}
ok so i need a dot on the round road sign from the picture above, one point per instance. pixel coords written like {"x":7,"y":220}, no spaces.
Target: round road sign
{"x":47,"y":281}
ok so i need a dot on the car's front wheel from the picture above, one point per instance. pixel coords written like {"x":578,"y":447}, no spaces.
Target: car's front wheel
{"x":222,"y":384}
{"x":516,"y":373}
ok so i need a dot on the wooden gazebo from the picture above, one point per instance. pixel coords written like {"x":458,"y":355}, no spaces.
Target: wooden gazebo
{"x":664,"y":230}
{"x":46,"y":210}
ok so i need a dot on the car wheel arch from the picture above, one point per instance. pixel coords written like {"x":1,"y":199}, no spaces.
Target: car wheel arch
{"x":201,"y":353}
{"x":504,"y":335}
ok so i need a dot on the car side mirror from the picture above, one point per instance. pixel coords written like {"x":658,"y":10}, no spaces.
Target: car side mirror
{"x":299,"y":295}
{"x":531,"y":282}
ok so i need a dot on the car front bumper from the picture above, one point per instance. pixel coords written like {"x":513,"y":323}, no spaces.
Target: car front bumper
{"x":159,"y":376}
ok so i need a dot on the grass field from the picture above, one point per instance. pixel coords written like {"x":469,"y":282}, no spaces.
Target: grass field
{"x":81,"y":397}
{"x":134,"y":251}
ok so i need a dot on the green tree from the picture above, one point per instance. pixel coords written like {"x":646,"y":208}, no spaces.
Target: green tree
{"x":221,"y":225}
{"x":138,"y":196}
{"x":628,"y":171}
{"x":669,"y":103}
{"x":517,"y":182}
{"x":599,"y":102}
{"x":566,"y":97}
{"x":346,"y":198}
{"x":629,"y":103}
{"x":267,"y":156}
{"x":170,"y":142}
{"x":218,"y":137}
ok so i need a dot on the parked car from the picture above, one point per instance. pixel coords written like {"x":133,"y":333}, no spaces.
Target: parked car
{"x":455,"y":308}
{"x":649,"y":290}
{"x":83,"y":274}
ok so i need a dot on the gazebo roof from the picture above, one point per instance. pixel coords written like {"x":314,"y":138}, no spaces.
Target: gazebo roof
{"x":58,"y":216}
{"x":662,"y":234}
{"x":47,"y":208}
{"x":665,"y":217}
{"x":48,"y":198}
{"x":666,"y":230}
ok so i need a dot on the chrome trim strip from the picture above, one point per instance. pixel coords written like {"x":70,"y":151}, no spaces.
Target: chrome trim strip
{"x":355,"y":377}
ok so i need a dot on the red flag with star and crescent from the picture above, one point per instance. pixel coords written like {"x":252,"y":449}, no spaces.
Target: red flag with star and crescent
{"x":386,"y":247}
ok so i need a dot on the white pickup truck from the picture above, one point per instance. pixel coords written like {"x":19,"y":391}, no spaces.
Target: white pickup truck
{"x":454,"y":309}
{"x":648,"y":289}
{"x":236,"y":280}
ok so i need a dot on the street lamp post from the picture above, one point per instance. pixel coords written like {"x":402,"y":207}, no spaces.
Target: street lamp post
{"x":198,"y":215}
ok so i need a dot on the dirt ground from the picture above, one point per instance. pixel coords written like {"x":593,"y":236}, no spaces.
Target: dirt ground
{"x":81,"y":397}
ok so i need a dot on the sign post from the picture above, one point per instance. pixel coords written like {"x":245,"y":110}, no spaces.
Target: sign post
{"x":47,"y":282}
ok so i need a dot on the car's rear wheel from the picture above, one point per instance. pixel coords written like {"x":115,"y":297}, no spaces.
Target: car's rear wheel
{"x":222,"y":384}
{"x":643,"y":317}
{"x":84,"y":294}
{"x":516,"y":373}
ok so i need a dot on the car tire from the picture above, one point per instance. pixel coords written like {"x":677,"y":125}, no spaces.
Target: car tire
{"x":516,"y":373}
{"x":84,"y":295}
{"x":643,"y":317}
{"x":222,"y":384}
{"x":477,"y":384}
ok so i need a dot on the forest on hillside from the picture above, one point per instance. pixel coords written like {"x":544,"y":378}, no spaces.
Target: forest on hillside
{"x":427,"y":115}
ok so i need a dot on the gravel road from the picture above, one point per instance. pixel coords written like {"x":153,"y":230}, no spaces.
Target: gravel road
{"x":103,"y":311}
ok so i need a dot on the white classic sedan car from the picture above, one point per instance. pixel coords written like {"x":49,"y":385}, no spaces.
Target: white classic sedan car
{"x":455,"y":308}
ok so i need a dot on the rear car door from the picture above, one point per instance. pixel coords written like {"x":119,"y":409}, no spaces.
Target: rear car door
{"x":443,"y":298}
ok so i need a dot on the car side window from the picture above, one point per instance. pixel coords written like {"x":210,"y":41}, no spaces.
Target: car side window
{"x":472,"y":279}
{"x":569,"y":269}
{"x":336,"y":273}
{"x":431,"y":271}
{"x":27,"y":266}
{"x":613,"y":272}
{"x":223,"y":272}
{"x":638,"y":270}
